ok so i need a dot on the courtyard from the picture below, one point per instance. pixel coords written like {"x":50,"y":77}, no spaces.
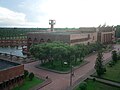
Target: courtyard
{"x":62,"y":81}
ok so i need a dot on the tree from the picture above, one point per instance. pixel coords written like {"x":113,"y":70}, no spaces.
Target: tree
{"x":31,"y":76}
{"x":114,"y":56}
{"x":60,"y":53}
{"x":50,"y":52}
{"x":99,"y":64}
{"x":117,"y":31}
{"x":81,"y":51}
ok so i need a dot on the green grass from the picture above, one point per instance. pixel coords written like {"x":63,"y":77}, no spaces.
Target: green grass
{"x":91,"y":85}
{"x":57,"y":66}
{"x":113,"y":73}
{"x":29,"y":84}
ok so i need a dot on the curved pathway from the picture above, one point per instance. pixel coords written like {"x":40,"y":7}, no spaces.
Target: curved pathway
{"x":62,"y":81}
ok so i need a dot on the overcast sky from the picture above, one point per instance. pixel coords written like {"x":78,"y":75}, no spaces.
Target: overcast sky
{"x":67,"y":13}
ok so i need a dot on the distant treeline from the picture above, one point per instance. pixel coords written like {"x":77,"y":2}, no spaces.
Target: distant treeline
{"x":21,"y":32}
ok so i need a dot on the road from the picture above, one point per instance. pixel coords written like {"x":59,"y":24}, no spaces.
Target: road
{"x":62,"y":81}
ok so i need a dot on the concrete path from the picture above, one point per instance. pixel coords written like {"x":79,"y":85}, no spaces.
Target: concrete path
{"x":106,"y":81}
{"x":62,"y":81}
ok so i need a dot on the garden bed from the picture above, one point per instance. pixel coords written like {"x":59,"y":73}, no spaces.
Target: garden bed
{"x":59,"y":69}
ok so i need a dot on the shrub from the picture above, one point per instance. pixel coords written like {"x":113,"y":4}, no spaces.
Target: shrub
{"x":114,"y":56}
{"x":118,"y":57}
{"x":26,"y":73}
{"x":94,"y":79}
{"x":83,"y":86}
{"x":104,"y":70}
{"x":31,"y":76}
{"x":112,"y":63}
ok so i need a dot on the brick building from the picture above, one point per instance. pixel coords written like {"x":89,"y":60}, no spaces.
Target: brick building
{"x":85,"y":35}
{"x":106,"y":35}
{"x":71,"y":38}
{"x":11,"y":74}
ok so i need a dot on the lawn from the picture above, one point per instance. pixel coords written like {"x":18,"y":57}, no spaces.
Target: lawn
{"x":57,"y":66}
{"x":95,"y":85}
{"x":29,"y":84}
{"x":113,"y":73}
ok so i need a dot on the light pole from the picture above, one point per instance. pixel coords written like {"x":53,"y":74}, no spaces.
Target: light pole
{"x":71,"y":72}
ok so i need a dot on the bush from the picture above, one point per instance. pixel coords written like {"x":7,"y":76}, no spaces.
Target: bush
{"x":31,"y":76}
{"x":83,"y":86}
{"x":112,"y":63}
{"x":94,"y":79}
{"x":118,"y":57}
{"x":26,"y":73}
{"x":104,"y":69}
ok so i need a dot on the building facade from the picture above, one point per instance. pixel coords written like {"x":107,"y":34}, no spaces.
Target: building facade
{"x":106,"y":35}
{"x":84,"y":35}
{"x":11,"y":75}
{"x":71,"y":38}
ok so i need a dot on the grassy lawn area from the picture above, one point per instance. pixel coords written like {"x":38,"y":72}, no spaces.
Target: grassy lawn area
{"x":29,"y":84}
{"x":57,"y":66}
{"x":94,"y":85}
{"x":113,"y":73}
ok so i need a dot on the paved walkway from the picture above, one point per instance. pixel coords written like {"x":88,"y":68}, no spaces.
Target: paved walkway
{"x":106,"y":81}
{"x":62,"y":81}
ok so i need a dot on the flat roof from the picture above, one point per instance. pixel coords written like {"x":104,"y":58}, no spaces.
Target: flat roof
{"x":55,"y":33}
{"x":6,"y":64}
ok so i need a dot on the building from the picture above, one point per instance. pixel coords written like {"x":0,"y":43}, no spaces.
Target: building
{"x":106,"y":35}
{"x":69,"y":37}
{"x":85,"y":35}
{"x":11,"y":74}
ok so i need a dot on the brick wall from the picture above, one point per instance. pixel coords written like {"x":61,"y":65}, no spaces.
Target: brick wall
{"x":11,"y":72}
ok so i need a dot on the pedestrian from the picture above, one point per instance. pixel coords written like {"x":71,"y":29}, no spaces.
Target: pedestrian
{"x":46,"y":77}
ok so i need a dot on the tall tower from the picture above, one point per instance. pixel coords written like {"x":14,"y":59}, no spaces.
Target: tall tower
{"x":52,"y":23}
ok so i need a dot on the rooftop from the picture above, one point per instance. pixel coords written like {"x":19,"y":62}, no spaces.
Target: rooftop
{"x":56,"y":32}
{"x":6,"y":64}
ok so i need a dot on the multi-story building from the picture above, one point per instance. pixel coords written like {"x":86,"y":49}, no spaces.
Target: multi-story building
{"x":106,"y":34}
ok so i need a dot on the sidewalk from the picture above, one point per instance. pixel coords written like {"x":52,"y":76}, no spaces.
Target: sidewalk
{"x":106,"y":81}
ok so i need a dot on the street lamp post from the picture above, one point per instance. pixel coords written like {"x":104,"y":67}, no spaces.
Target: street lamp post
{"x":71,"y":73}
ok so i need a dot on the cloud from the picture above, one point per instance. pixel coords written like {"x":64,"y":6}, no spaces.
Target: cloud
{"x":10,"y":17}
{"x":67,"y":13}
{"x":14,"y":19}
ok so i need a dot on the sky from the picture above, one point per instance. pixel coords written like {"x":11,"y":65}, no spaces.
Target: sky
{"x":67,"y":13}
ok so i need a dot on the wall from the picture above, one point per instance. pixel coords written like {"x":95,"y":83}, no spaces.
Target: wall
{"x":11,"y":72}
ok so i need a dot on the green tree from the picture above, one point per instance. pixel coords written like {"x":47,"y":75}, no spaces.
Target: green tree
{"x":117,"y":31}
{"x":114,"y":56}
{"x":59,"y":52}
{"x":99,"y":64}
